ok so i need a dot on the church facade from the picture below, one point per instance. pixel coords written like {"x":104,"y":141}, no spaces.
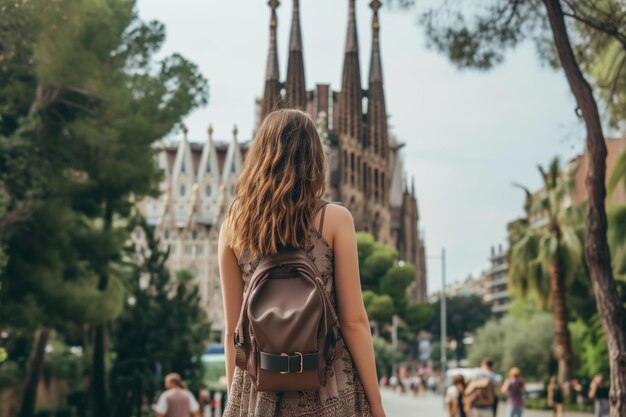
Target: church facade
{"x":366,"y":173}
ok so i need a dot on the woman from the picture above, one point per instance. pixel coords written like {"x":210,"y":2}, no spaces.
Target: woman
{"x":275,"y":204}
{"x":555,"y":397}
{"x":599,"y":393}
{"x":455,"y":399}
{"x":176,"y":400}
{"x":514,"y":389}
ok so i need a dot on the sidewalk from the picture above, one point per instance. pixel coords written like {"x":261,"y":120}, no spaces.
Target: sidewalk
{"x":431,"y":405}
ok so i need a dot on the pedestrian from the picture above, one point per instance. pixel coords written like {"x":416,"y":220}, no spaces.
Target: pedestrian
{"x":514,"y":389}
{"x":599,"y":393}
{"x":455,"y":397}
{"x":480,"y":393}
{"x":277,"y":210}
{"x":555,"y":397}
{"x":176,"y":400}
{"x":486,"y":367}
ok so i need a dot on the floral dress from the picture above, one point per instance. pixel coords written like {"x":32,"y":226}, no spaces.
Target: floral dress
{"x":343,"y":394}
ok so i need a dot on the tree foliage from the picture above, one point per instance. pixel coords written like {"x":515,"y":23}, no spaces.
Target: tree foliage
{"x":162,"y":329}
{"x":514,"y":342}
{"x":464,"y":314}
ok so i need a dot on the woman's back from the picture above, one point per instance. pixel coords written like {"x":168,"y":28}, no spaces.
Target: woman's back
{"x":343,"y":387}
{"x":277,"y":204}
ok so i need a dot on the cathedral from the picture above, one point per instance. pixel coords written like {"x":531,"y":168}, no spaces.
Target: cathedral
{"x":366,"y":173}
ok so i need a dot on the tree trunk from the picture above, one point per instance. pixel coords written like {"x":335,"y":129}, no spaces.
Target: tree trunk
{"x":562,"y":340}
{"x":597,"y":253}
{"x":35,"y":368}
{"x":99,"y":401}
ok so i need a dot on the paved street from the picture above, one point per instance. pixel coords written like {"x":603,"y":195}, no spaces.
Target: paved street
{"x":397,"y":405}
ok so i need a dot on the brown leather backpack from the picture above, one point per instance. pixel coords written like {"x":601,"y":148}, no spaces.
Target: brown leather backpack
{"x":288,"y":327}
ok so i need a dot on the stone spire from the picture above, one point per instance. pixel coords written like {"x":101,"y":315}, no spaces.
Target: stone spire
{"x":271,"y":93}
{"x":378,"y":139}
{"x":295,"y":87}
{"x":351,"y":96}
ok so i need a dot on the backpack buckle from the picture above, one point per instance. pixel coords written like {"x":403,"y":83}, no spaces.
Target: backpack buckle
{"x":288,"y":361}
{"x":288,"y":356}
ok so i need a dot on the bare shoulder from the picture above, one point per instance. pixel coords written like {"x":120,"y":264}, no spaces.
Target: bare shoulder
{"x":337,"y":220}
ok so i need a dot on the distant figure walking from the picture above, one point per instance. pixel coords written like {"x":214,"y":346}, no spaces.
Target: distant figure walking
{"x":481,"y":392}
{"x":599,"y":393}
{"x":555,"y":397}
{"x":514,"y":389}
{"x":176,"y":400}
{"x":455,"y":397}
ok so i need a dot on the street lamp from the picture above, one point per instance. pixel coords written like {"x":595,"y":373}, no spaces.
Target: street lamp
{"x":444,"y":330}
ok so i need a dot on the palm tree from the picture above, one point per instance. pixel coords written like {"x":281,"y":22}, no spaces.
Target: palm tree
{"x":547,"y":252}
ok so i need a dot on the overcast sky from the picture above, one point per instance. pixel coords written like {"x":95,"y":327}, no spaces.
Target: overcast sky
{"x":468,"y":134}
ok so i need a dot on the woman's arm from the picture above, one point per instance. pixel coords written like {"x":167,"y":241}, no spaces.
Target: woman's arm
{"x":352,"y":316}
{"x":232,"y":296}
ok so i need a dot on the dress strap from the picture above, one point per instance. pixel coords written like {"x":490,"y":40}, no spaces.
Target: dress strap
{"x":322,"y":203}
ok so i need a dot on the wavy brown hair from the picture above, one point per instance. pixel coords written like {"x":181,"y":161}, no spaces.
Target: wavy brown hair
{"x":283,"y":176}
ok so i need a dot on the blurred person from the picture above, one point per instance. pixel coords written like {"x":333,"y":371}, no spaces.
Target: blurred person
{"x":176,"y":400}
{"x":455,"y":397}
{"x":599,"y":393}
{"x":486,"y":367}
{"x":514,"y":389}
{"x":555,"y":397}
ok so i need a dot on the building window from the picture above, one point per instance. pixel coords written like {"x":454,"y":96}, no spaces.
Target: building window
{"x":166,"y":234}
{"x":188,"y":249}
{"x":138,"y":234}
{"x":183,"y":167}
{"x":208,"y":191}
{"x":183,"y":190}
{"x":194,"y":234}
{"x":232,"y":191}
{"x":376,"y":184}
{"x":382,"y":186}
{"x":199,"y":249}
{"x":208,"y":167}
{"x":233,"y":168}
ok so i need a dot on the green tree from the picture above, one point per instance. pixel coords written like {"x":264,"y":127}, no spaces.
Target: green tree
{"x":546,"y":253}
{"x":464,"y":314}
{"x":100,"y":100}
{"x":481,"y":40}
{"x":162,"y":327}
{"x":514,"y":342}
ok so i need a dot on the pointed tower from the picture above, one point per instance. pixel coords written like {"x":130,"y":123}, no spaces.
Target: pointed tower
{"x":351,"y":96}
{"x":209,"y":179}
{"x":183,"y":178}
{"x":271,"y":94}
{"x":378,"y":140}
{"x":233,"y":163}
{"x":295,"y":87}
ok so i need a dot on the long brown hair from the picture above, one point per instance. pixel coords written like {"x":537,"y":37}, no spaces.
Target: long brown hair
{"x":283,"y":175}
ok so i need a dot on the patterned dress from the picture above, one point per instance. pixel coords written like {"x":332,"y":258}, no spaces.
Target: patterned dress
{"x":343,"y":394}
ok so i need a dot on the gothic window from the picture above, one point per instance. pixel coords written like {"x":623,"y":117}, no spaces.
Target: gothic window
{"x":345,"y":166}
{"x":183,"y":190}
{"x":208,"y":190}
{"x":352,"y":168}
{"x":194,"y":234}
{"x":233,"y":168}
{"x":138,"y":234}
{"x":183,"y":167}
{"x":208,"y":167}
{"x":376,"y":184}
{"x":188,"y":249}
{"x":199,"y":249}
{"x":166,"y":234}
{"x":382,"y":186}
{"x":365,"y":180}
{"x":358,"y":172}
